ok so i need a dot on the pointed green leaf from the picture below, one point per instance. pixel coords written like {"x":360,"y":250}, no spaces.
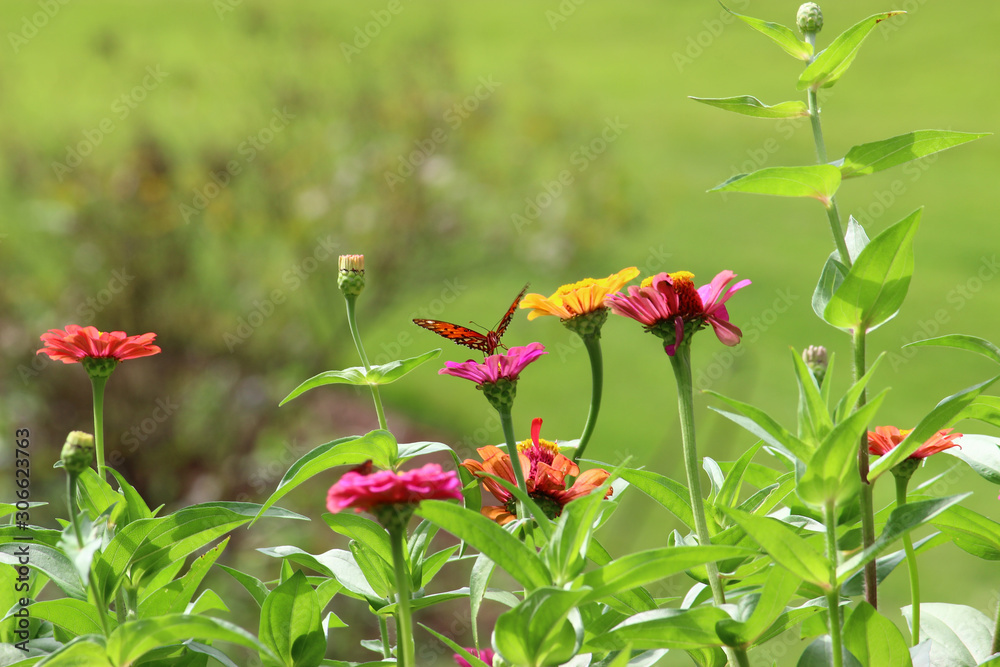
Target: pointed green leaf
{"x":820,"y":654}
{"x":832,"y":62}
{"x":959,"y":635}
{"x":672,"y":495}
{"x":944,"y":413}
{"x":876,"y":156}
{"x":460,"y":650}
{"x":834,"y":271}
{"x":767,"y":605}
{"x":785,"y":546}
{"x":850,"y":398}
{"x":540,"y":631}
{"x":53,"y":562}
{"x":664,"y":628}
{"x":818,"y":181}
{"x":985,"y":409}
{"x":981,"y":452}
{"x":377,"y":375}
{"x":730,"y":490}
{"x":77,"y":617}
{"x":364,"y":530}
{"x":290,"y":623}
{"x":876,"y":284}
{"x":85,"y":651}
{"x":751,"y":106}
{"x":779,"y":34}
{"x":901,"y":521}
{"x":875,"y":640}
{"x":884,"y":565}
{"x":377,"y":446}
{"x":962,"y":342}
{"x":764,"y":427}
{"x":520,"y":561}
{"x":132,"y":640}
{"x":970,"y":531}
{"x":175,"y":596}
{"x":814,"y":414}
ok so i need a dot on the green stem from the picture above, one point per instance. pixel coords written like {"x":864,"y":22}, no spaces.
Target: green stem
{"x":383,"y":630}
{"x":867,"y":504}
{"x":353,"y":323}
{"x":681,"y":363}
{"x":405,"y":651}
{"x":593,"y":345}
{"x":833,"y":595}
{"x":507,"y":422}
{"x":911,"y":564}
{"x":71,"y":479}
{"x":996,"y":633}
{"x":98,"y":383}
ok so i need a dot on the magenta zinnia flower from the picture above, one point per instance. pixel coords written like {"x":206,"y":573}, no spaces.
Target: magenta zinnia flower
{"x":77,"y":343}
{"x":496,"y":366}
{"x":669,"y":306}
{"x":385,"y":487}
{"x":484,"y":654}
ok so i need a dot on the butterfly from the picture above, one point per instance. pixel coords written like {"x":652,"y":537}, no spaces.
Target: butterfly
{"x":486,"y":343}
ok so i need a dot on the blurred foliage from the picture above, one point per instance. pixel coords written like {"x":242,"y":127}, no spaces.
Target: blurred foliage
{"x":225,"y":152}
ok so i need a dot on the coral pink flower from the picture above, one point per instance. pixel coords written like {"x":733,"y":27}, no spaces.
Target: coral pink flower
{"x":484,"y":654}
{"x":884,"y":439}
{"x":669,"y":306}
{"x":77,"y":343}
{"x":385,"y":487}
{"x":546,"y":471}
{"x":496,"y":366}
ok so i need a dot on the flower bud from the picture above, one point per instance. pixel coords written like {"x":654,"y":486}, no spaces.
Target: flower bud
{"x":817,"y":361}
{"x":78,"y":452}
{"x":351,"y":278}
{"x":809,"y":18}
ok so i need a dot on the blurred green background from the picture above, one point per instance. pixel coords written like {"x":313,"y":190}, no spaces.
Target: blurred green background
{"x":193,"y":168}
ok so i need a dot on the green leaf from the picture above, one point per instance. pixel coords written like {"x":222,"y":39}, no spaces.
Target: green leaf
{"x":130,"y":641}
{"x":820,"y":654}
{"x":364,"y":530}
{"x":730,"y":490}
{"x":884,"y":566}
{"x":959,"y":635}
{"x":566,"y":552}
{"x":136,"y":507}
{"x":943,"y":414}
{"x":876,"y":284}
{"x":814,"y":415}
{"x":879,"y":155}
{"x":850,"y":398}
{"x":832,"y":473}
{"x":985,"y":409}
{"x":779,"y":34}
{"x":784,"y":545}
{"x":834,"y":271}
{"x":642,"y":567}
{"x":77,"y":617}
{"x":51,"y":561}
{"x":175,"y":596}
{"x":962,"y":342}
{"x":981,"y":452}
{"x":832,"y":62}
{"x":96,"y":496}
{"x":664,"y":628}
{"x":460,"y":650}
{"x":874,"y":640}
{"x":901,"y":521}
{"x":818,"y":181}
{"x":767,"y":605}
{"x":376,"y":571}
{"x":377,"y":446}
{"x":479,"y":581}
{"x":669,"y":493}
{"x":757,"y":422}
{"x":86,"y":651}
{"x":520,"y":561}
{"x":751,"y":106}
{"x":378,"y":375}
{"x":970,"y":531}
{"x":290,"y":623}
{"x":541,"y":631}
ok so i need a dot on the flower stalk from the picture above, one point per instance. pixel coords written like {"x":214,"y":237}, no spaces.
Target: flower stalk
{"x":507,"y":423}
{"x":353,"y":323}
{"x":902,"y":481}
{"x":833,"y":595}
{"x":593,"y":345}
{"x":867,"y":503}
{"x":98,"y":384}
{"x":405,"y":649}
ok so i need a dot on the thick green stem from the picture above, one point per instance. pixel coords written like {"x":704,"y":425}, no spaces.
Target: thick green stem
{"x":593,"y":345}
{"x":98,"y":383}
{"x":71,"y":479}
{"x":833,"y":595}
{"x":383,"y":630}
{"x":867,"y":504}
{"x":405,"y":650}
{"x":681,"y":363}
{"x":507,"y":422}
{"x":911,"y":564}
{"x":353,"y":323}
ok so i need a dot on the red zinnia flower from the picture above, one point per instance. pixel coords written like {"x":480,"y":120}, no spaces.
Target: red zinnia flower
{"x":385,"y":487}
{"x":496,"y":366}
{"x":484,"y":654}
{"x":670,"y":307}
{"x":77,"y":343}
{"x":884,"y":439}
{"x":546,"y":471}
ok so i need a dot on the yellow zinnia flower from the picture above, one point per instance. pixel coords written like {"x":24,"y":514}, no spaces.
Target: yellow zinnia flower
{"x":579,"y":298}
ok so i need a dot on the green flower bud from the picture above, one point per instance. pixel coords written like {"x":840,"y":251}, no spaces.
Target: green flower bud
{"x":817,"y":361}
{"x":501,"y":393}
{"x":809,"y":18}
{"x":78,"y":452}
{"x":351,"y":278}
{"x":587,"y":325}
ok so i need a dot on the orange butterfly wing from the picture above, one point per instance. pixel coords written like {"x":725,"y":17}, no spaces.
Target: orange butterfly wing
{"x":487,"y":343}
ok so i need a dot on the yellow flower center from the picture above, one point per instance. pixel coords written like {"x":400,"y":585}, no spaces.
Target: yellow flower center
{"x":572,"y":287}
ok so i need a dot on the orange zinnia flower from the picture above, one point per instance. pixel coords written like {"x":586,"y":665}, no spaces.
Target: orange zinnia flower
{"x":546,"y":471}
{"x":579,"y":298}
{"x":884,"y":439}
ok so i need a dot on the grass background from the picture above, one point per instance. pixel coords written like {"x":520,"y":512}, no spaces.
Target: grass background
{"x":444,"y":242}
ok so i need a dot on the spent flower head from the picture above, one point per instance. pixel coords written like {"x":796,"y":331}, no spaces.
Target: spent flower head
{"x":817,"y":361}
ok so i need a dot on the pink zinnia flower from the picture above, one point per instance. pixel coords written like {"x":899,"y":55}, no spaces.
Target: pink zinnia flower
{"x":496,"y":366}
{"x":77,"y":343}
{"x":484,"y":654}
{"x":884,"y":439}
{"x":669,"y":306}
{"x":385,"y":487}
